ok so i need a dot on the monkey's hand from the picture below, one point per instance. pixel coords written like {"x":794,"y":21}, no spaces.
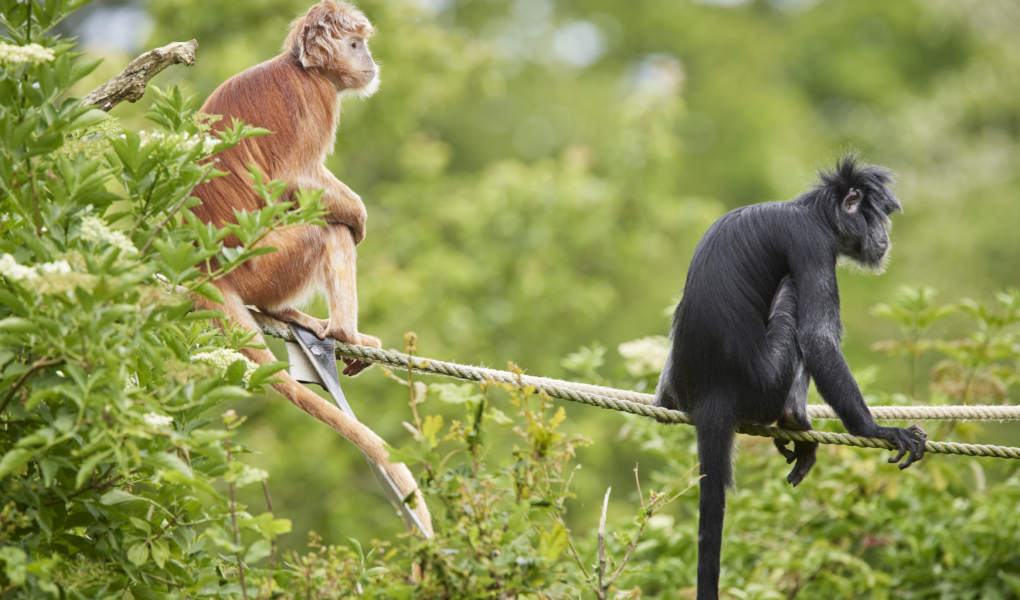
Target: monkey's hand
{"x":346,"y":208}
{"x":909,"y":441}
{"x":803,"y":453}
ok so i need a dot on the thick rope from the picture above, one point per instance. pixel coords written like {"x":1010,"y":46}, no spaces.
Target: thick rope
{"x":640,"y":404}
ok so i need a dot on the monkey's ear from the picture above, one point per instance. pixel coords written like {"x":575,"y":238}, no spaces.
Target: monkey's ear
{"x":852,"y":200}
{"x":309,"y":43}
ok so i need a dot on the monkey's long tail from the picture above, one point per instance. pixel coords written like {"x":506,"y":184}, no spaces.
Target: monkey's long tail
{"x":715,"y":453}
{"x":326,"y":412}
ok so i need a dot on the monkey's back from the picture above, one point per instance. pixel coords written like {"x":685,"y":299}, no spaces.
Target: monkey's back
{"x":720,"y":327}
{"x":300,"y":108}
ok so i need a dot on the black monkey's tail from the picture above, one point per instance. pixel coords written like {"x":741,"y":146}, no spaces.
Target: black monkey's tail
{"x":715,"y":453}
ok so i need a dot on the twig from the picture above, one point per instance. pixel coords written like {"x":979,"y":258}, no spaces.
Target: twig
{"x":130,"y":83}
{"x":272,"y":543}
{"x":602,"y":545}
{"x":39,"y":364}
{"x":637,"y":480}
{"x":177,"y":207}
{"x":237,"y":533}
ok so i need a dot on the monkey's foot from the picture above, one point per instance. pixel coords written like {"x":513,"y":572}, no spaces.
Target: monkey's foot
{"x":292,"y":315}
{"x":354,"y":366}
{"x":804,"y":455}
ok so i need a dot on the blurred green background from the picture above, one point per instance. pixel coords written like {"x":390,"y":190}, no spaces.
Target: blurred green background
{"x":538,"y":172}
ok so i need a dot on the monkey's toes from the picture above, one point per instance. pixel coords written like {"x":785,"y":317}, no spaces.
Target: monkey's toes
{"x":805,"y":453}
{"x":355,"y":367}
{"x":788,"y":454}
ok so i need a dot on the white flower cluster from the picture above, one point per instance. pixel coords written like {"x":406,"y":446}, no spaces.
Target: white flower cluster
{"x":32,"y":53}
{"x":645,"y":356}
{"x":10,"y":269}
{"x":154,"y":420}
{"x":221,"y":358}
{"x":186,"y":140}
{"x":93,"y":229}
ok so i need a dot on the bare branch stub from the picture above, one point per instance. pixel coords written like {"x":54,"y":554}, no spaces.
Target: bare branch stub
{"x":129,"y":84}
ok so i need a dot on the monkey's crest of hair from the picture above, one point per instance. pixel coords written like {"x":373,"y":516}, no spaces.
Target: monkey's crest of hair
{"x":872,"y":180}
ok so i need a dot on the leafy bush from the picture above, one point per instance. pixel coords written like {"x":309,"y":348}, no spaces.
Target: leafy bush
{"x":112,"y":471}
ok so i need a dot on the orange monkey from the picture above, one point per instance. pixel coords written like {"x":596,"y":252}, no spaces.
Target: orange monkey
{"x":296,"y":96}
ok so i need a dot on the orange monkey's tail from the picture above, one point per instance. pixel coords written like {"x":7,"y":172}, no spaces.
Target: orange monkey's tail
{"x":360,"y":435}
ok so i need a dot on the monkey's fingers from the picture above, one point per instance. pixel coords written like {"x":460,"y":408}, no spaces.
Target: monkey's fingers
{"x":916,"y":437}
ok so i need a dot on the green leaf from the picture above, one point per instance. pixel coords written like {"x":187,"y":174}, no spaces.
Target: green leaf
{"x":430,"y":427}
{"x":138,"y":554}
{"x":266,"y":371}
{"x":452,"y":393}
{"x":160,"y":552}
{"x":88,"y":119}
{"x":14,"y":460}
{"x":18,"y":325}
{"x":87,"y":468}
{"x":500,"y":417}
{"x":356,"y":546}
{"x":115,"y":497}
{"x":169,"y":460}
{"x":210,"y":292}
{"x":552,"y":543}
{"x":259,"y":550}
{"x":14,"y":558}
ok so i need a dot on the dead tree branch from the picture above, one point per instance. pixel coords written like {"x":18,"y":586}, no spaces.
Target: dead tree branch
{"x":130,"y":83}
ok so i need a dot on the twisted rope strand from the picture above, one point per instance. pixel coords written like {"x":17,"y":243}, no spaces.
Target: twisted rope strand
{"x":640,"y":404}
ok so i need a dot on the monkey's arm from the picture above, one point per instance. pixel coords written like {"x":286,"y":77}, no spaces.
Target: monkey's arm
{"x":343,"y":205}
{"x":819,"y":332}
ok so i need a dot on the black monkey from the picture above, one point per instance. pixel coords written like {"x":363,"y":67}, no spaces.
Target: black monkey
{"x":760,"y":317}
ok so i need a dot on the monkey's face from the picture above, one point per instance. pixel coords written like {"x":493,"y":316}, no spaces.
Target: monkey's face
{"x":332,"y":40}
{"x":864,"y":226}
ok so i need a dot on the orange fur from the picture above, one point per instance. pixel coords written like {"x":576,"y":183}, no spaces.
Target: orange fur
{"x":295,"y":95}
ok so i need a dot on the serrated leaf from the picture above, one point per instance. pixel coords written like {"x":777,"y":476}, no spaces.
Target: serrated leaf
{"x":452,"y":393}
{"x":552,"y":543}
{"x":432,"y":425}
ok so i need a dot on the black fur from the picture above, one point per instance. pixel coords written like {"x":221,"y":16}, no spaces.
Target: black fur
{"x":760,"y":317}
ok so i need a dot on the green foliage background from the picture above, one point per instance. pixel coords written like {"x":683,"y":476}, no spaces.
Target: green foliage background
{"x":521,"y":208}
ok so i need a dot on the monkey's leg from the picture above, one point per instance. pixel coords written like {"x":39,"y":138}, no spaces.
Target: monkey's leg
{"x":326,"y":412}
{"x":340,"y":279}
{"x":795,"y":417}
{"x":295,"y":316}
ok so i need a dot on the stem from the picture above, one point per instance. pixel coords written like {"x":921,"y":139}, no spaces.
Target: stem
{"x":602,"y":546}
{"x":145,"y":206}
{"x":272,"y":543}
{"x":39,"y":364}
{"x":178,"y":206}
{"x":237,"y":533}
{"x":637,"y":480}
